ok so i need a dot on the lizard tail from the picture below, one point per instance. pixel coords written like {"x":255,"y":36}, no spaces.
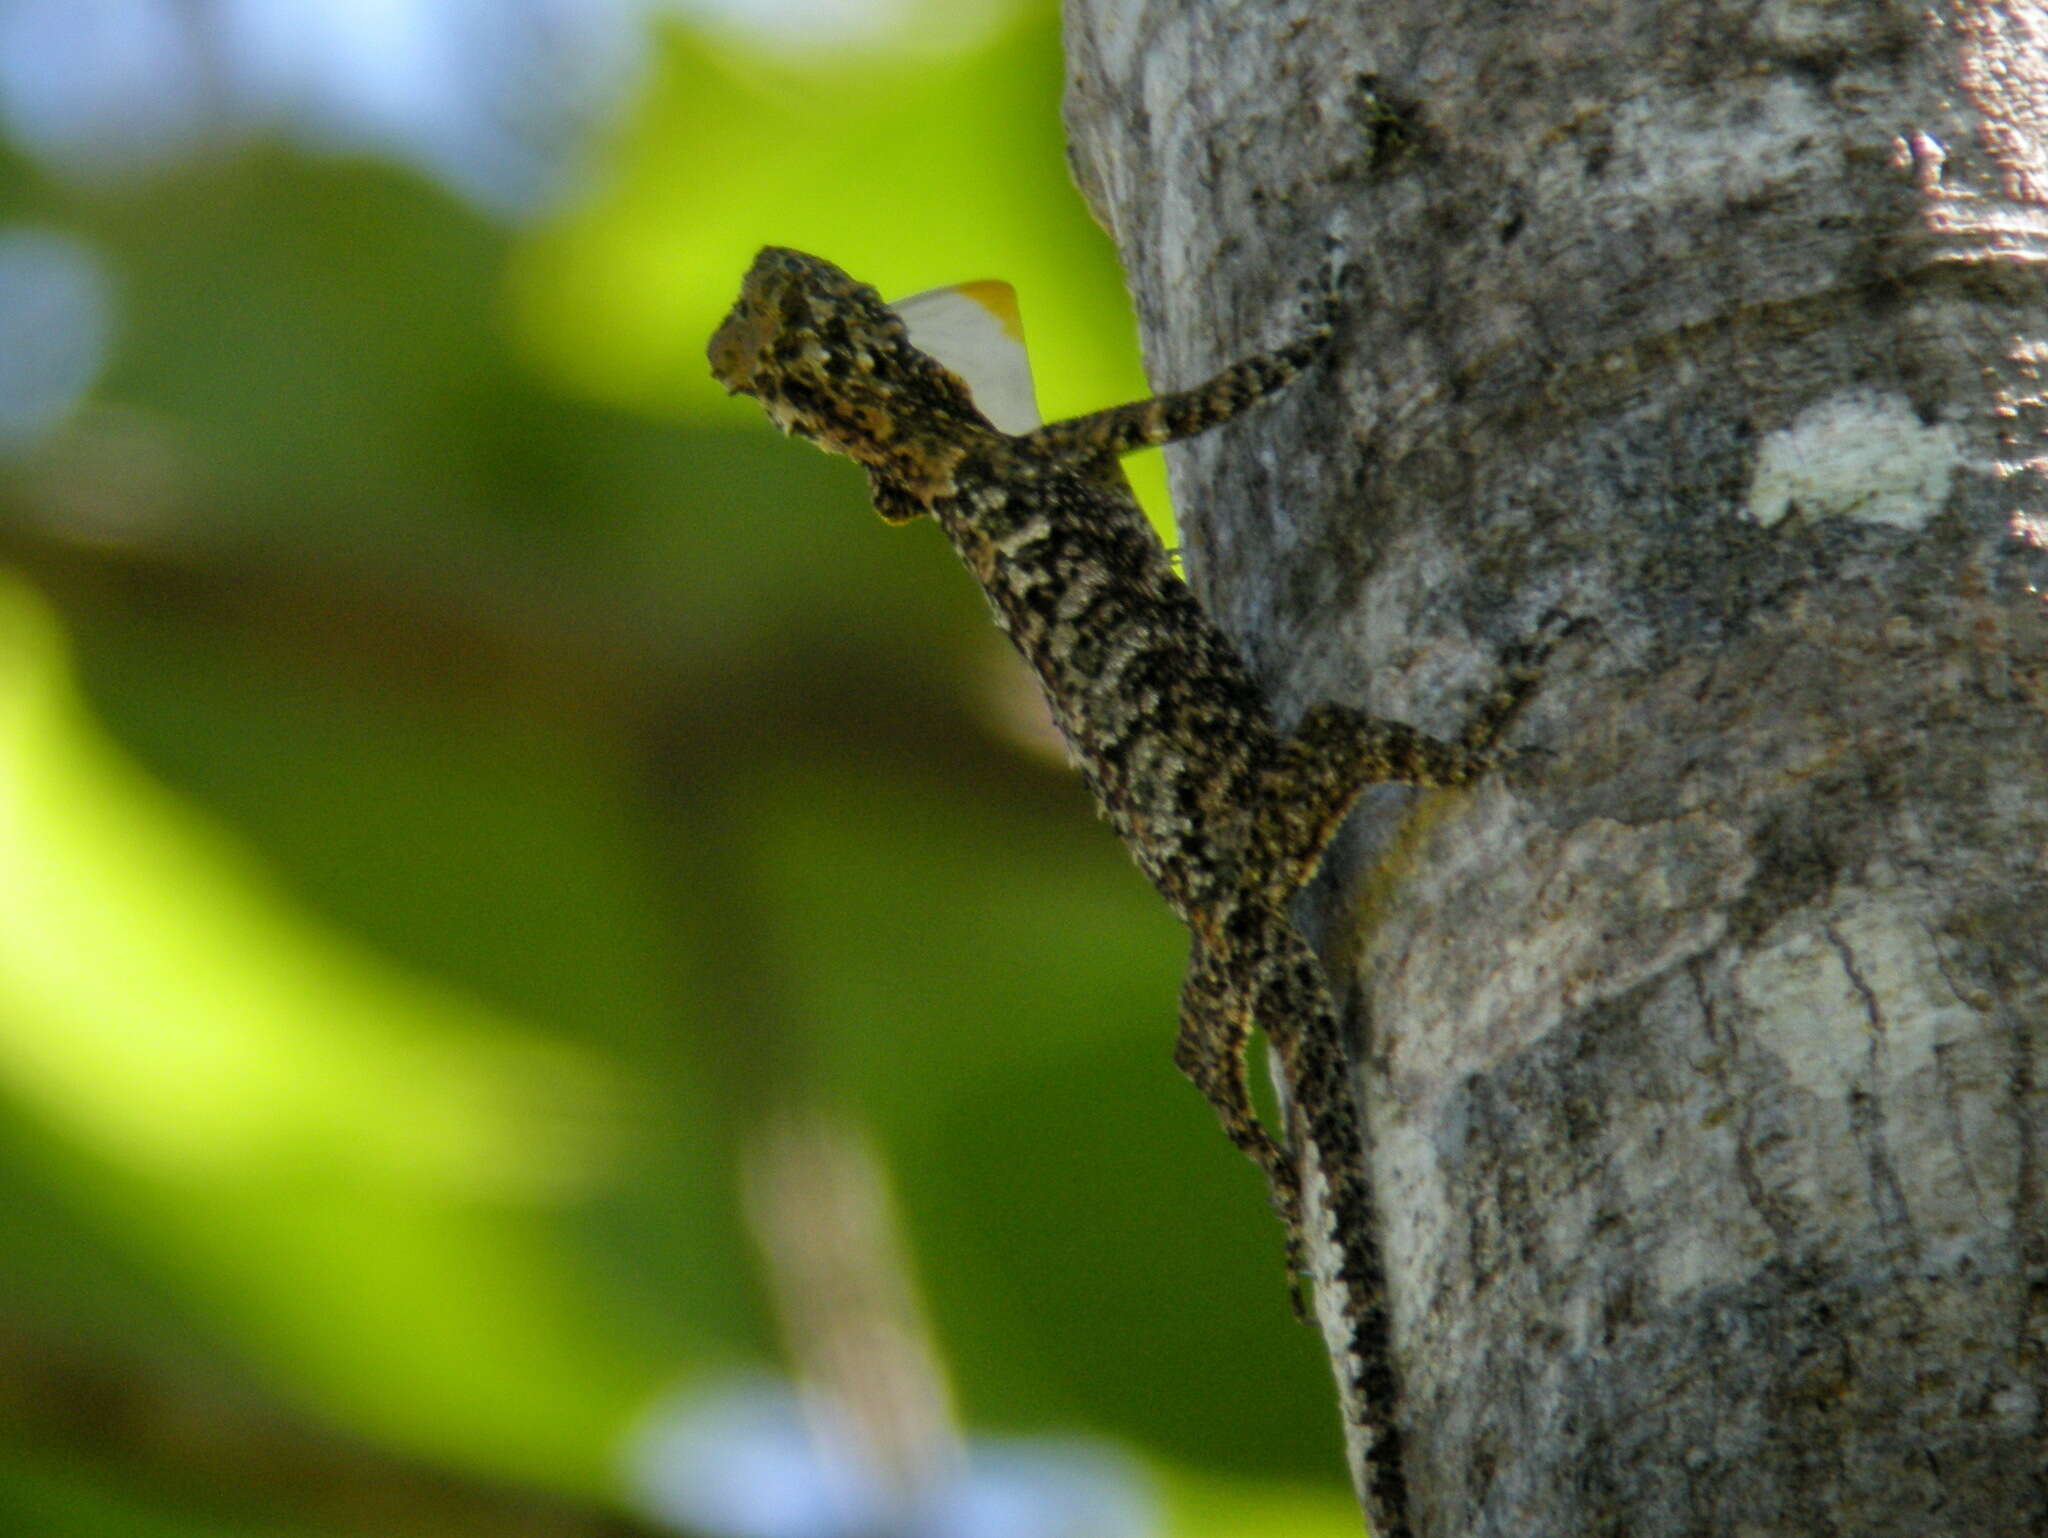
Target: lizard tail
{"x":1340,"y":1240}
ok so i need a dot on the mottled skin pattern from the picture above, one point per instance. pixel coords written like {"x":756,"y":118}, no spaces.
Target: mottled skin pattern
{"x":1227,"y":816}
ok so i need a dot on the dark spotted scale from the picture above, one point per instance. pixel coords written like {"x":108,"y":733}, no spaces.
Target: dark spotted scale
{"x":1225,"y":815}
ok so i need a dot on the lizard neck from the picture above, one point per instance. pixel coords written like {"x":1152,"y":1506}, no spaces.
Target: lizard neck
{"x":925,"y":463}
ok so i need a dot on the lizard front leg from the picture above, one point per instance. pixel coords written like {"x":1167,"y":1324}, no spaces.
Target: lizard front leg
{"x":1182,"y":413}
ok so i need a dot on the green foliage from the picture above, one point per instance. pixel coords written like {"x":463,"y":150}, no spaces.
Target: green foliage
{"x":454,"y":773}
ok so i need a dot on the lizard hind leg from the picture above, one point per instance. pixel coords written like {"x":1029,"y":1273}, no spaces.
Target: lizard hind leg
{"x":1320,"y":772}
{"x":1216,"y":1022}
{"x":1336,"y":751}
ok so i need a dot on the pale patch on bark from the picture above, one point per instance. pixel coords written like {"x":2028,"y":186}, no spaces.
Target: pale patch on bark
{"x":1678,"y":150}
{"x":1597,"y":912}
{"x":1843,"y":980}
{"x":1865,"y":455}
{"x":1854,"y":1003}
{"x":1119,"y":28}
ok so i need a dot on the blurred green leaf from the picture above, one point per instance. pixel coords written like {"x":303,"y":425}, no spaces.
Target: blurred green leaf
{"x":333,"y":1151}
{"x":49,"y":1500}
{"x":1251,"y":1508}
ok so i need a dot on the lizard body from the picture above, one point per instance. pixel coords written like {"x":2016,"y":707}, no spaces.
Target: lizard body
{"x":1227,"y":816}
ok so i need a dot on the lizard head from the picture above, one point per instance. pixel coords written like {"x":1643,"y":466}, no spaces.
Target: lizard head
{"x":828,"y":361}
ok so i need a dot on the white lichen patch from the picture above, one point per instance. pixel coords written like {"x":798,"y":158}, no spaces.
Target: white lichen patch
{"x":1865,"y":455}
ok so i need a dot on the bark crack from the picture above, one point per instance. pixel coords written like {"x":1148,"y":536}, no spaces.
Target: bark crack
{"x":1951,"y":1093}
{"x":1867,"y":1117}
{"x":1768,"y":1206}
{"x":2031,"y":1348}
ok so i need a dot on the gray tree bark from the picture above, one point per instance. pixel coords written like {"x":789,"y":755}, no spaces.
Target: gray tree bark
{"x":1703,"y":1052}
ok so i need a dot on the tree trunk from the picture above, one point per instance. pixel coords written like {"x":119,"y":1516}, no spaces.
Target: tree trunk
{"x":1702,"y":1049}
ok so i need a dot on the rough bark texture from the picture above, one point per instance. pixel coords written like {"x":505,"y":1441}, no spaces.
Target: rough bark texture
{"x":1703,"y":1054}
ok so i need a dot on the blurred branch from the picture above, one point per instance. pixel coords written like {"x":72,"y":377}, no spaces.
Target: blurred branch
{"x":185,"y":1436}
{"x":819,"y":1203}
{"x":497,"y":635}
